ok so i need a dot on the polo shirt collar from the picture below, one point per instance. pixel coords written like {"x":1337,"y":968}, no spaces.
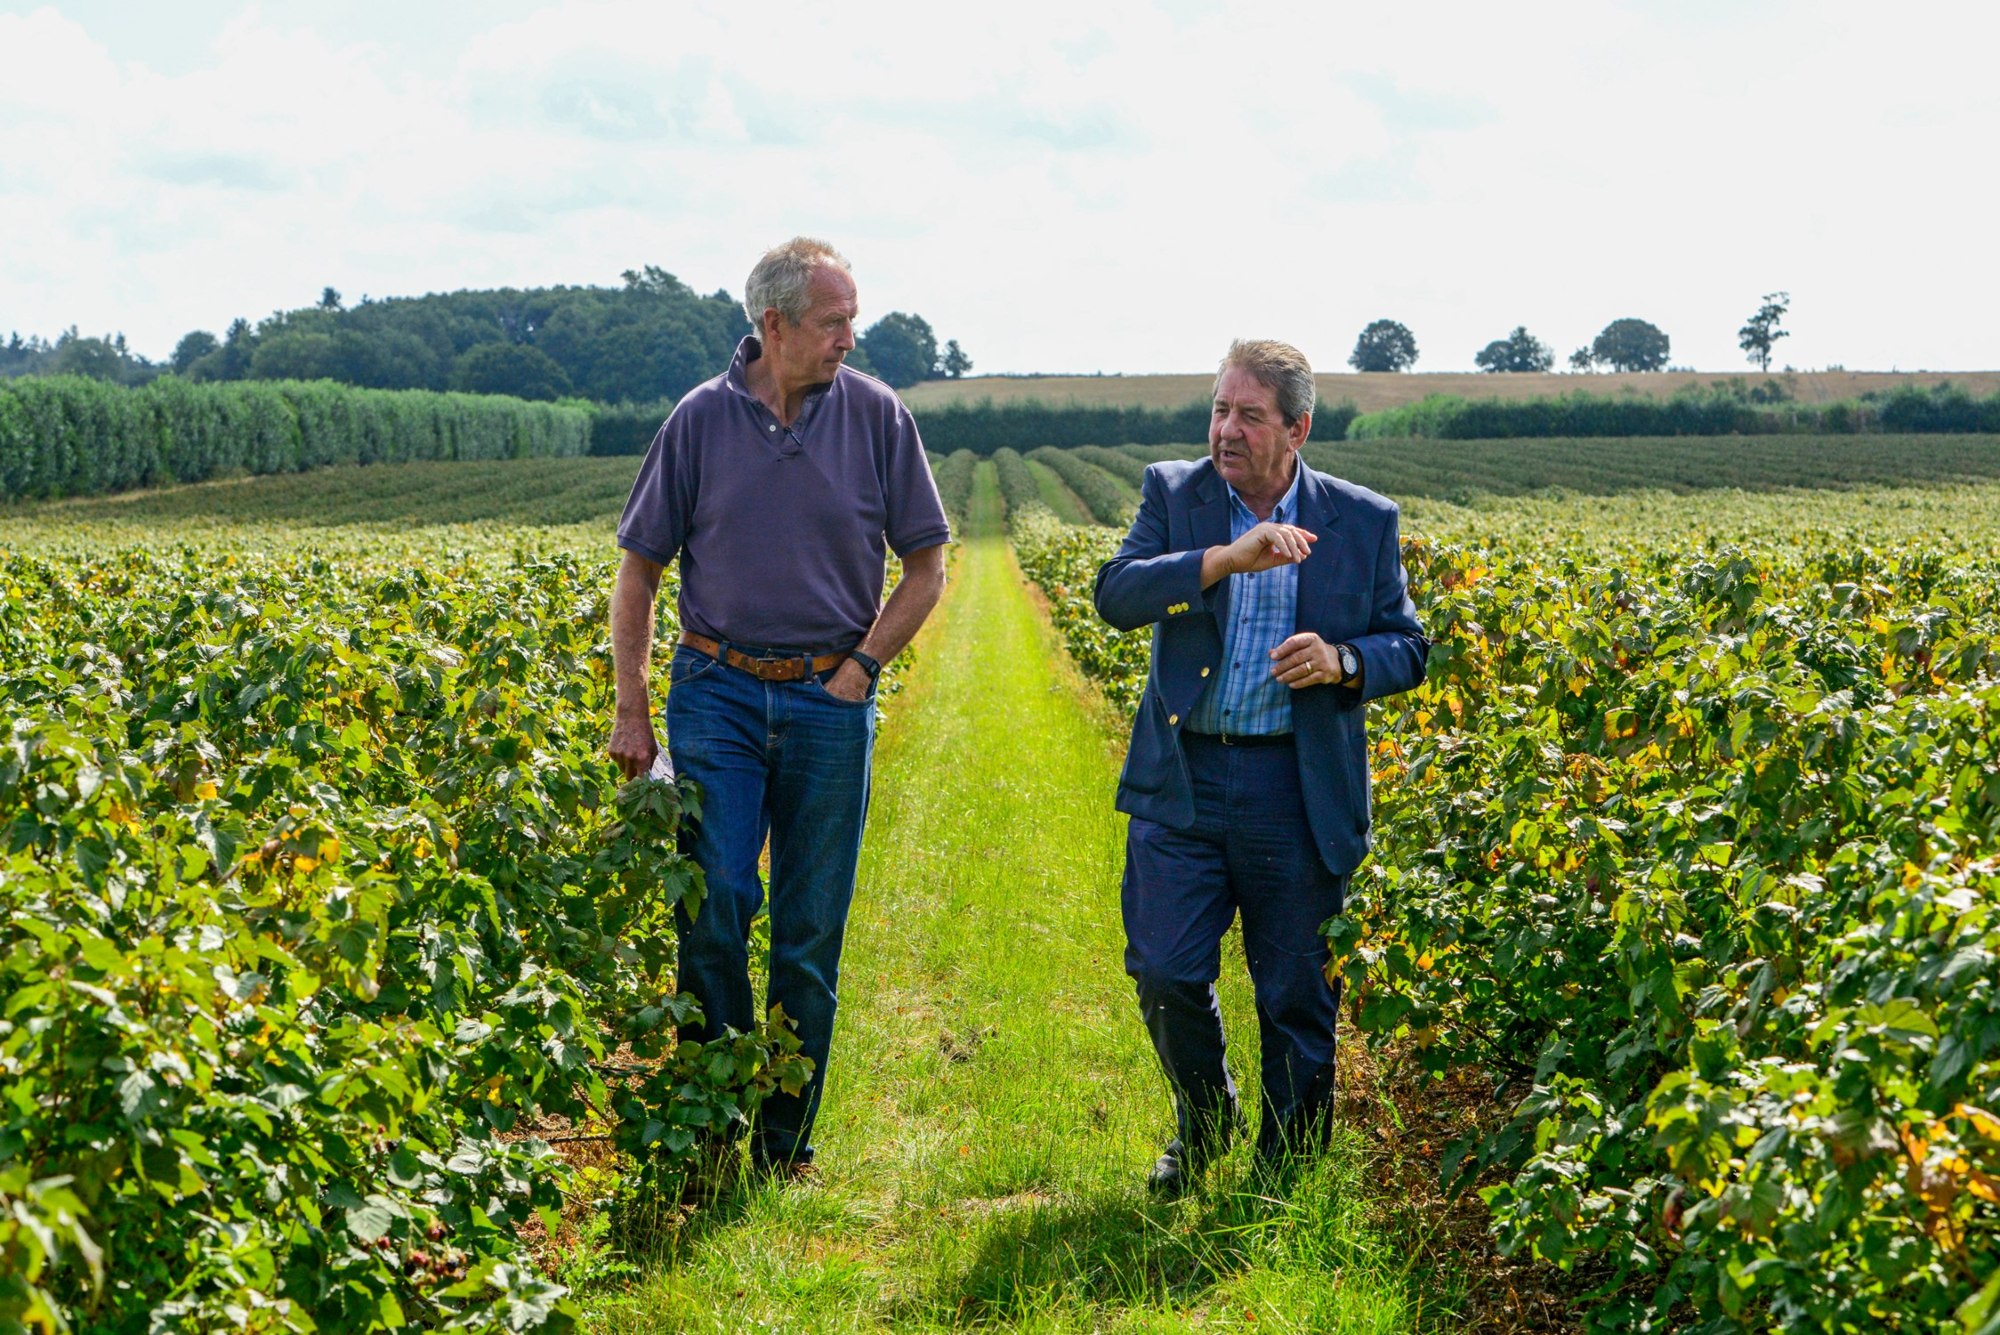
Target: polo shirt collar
{"x":1286,"y":511}
{"x":737,"y":377}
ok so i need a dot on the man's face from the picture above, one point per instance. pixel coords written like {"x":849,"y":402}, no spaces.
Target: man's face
{"x":1248,"y":440}
{"x":811,"y":351}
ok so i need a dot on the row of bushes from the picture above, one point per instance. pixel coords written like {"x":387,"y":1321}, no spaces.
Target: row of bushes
{"x":953,"y":473}
{"x":1017,"y":484}
{"x":71,"y":436}
{"x":1911,"y":408}
{"x":625,"y":428}
{"x":986,"y":426}
{"x":1107,"y":499}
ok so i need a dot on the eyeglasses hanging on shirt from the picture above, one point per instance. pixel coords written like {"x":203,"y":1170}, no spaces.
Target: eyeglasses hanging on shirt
{"x":790,"y":445}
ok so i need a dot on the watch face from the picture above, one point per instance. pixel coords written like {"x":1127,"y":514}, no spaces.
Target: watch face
{"x":1349,"y":664}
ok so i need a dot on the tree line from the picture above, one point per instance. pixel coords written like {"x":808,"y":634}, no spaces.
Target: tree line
{"x":652,"y":338}
{"x":1627,"y":344}
{"x":1729,"y":409}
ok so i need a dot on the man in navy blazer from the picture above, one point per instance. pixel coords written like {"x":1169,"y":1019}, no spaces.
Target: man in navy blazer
{"x":1279,"y":608}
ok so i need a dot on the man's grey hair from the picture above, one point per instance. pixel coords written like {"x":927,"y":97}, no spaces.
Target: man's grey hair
{"x":1278,"y":367}
{"x":782,"y":276}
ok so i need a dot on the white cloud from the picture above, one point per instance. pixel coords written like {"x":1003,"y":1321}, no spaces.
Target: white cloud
{"x":1116,"y":186}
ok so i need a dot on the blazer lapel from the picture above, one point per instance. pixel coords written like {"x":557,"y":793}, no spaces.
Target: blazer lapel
{"x":1318,"y":515}
{"x":1208,"y":519}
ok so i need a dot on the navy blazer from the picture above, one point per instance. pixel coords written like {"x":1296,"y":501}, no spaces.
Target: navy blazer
{"x":1351,"y":588}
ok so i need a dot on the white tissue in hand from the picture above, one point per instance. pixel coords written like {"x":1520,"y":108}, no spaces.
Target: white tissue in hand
{"x":663,"y":768}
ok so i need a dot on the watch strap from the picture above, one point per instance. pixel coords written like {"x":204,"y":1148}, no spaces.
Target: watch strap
{"x":869,"y":664}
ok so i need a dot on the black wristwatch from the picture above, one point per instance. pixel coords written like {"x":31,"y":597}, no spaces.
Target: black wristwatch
{"x":1350,"y":662}
{"x":869,"y":665}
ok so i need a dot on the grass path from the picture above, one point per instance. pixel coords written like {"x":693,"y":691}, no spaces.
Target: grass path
{"x":992,"y":1102}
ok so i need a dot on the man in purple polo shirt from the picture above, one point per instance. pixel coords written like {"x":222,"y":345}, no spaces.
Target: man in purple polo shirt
{"x":778,"y":485}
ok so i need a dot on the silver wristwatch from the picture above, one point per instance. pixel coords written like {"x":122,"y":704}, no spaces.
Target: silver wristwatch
{"x":1350,"y":662}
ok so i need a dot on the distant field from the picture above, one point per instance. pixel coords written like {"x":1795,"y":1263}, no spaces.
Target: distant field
{"x":536,"y":492}
{"x":1373,"y":392}
{"x":575,"y":502}
{"x":1457,"y":470}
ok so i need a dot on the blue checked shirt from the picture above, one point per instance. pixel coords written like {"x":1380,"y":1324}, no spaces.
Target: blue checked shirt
{"x":1243,"y":698}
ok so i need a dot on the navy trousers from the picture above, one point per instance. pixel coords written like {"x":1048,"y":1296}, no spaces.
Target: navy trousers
{"x":1249,"y":851}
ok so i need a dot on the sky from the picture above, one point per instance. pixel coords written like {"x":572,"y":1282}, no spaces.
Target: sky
{"x":1062,"y":187}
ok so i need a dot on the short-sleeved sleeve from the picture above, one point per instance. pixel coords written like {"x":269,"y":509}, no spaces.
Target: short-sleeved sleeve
{"x":915,"y":514}
{"x":658,"y":511}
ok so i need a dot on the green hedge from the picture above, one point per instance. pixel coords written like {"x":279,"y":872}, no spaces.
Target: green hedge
{"x":954,"y":483}
{"x":985,"y":426}
{"x":1717,"y":412}
{"x":1017,"y":484}
{"x":1109,"y":500}
{"x":70,"y":436}
{"x":626,"y":428}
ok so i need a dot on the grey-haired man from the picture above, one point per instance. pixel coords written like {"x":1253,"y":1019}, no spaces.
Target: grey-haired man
{"x":779,"y":484}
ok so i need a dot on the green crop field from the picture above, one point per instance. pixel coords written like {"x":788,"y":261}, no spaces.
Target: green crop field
{"x":337,"y":994}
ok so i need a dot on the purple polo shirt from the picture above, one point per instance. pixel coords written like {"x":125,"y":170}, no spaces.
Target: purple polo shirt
{"x":781,"y":531}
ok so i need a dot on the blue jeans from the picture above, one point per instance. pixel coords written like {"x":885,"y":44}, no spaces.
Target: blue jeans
{"x":791,"y":761}
{"x":1249,"y":850}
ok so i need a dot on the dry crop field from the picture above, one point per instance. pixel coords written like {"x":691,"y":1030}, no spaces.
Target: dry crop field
{"x":1376,"y":391}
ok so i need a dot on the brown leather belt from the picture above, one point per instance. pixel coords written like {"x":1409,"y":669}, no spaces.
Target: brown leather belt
{"x":792,"y":668}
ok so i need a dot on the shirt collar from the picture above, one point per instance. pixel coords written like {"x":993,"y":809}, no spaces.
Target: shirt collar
{"x":1287,"y":509}
{"x":749,"y":350}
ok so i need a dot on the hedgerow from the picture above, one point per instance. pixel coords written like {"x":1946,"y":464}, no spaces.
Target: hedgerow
{"x":1108,"y":500}
{"x":1718,"y":411}
{"x":953,"y":474}
{"x":71,"y":436}
{"x":1017,"y":484}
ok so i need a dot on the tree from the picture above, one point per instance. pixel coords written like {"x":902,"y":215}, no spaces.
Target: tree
{"x":654,"y":281}
{"x":509,"y":368}
{"x":329,"y":299}
{"x":955,"y":363}
{"x":1384,"y":345}
{"x":192,"y":348}
{"x":295,"y":356}
{"x":1757,"y":337}
{"x":231,"y":361}
{"x":902,"y":348}
{"x":1631,"y":345}
{"x":94,"y":357}
{"x":1519,"y":351}
{"x":1583,"y":359}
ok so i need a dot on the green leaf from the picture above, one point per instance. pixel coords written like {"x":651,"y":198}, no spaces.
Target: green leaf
{"x":1980,"y":1314}
{"x":370,"y":1221}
